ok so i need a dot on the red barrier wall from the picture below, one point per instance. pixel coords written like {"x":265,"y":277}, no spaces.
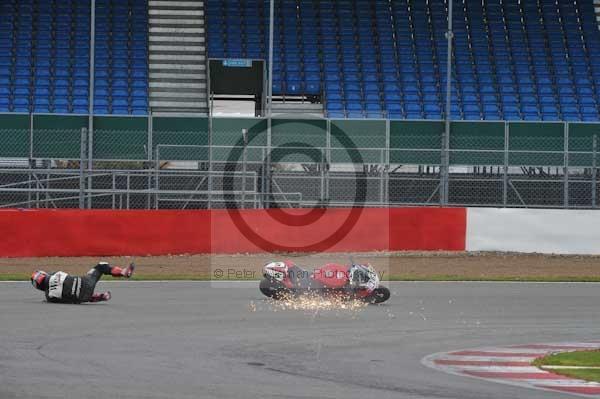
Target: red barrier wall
{"x":102,"y":232}
{"x":428,"y":229}
{"x":36,"y":233}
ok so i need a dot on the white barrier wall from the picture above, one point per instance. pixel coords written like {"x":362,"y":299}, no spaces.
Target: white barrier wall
{"x":550,"y":231}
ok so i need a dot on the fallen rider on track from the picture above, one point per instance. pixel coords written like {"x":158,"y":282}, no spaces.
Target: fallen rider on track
{"x":61,"y":287}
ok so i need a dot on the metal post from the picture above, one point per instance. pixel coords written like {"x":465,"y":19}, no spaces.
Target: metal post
{"x":31,"y":161}
{"x":263,"y":177}
{"x":91,"y":96}
{"x":270,"y":81}
{"x":446,"y":139}
{"x":90,"y":166}
{"x":30,"y":138}
{"x":566,"y":166}
{"x":210,"y":133}
{"x":322,"y":180}
{"x":506,"y":159}
{"x":594,"y":170}
{"x":269,"y":105}
{"x":267,"y":192}
{"x":328,"y":160}
{"x":128,"y":189}
{"x":114,"y":188}
{"x":386,"y":170}
{"x":264,"y":93}
{"x":244,"y":160}
{"x":210,"y":148}
{"x":48,"y":202}
{"x":381,"y":177}
{"x":83,"y":148}
{"x":156,"y":177}
{"x":150,"y":155}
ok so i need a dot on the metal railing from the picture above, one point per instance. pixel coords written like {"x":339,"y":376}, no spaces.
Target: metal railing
{"x":339,"y":169}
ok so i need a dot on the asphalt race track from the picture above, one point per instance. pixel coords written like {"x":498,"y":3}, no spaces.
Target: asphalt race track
{"x":192,"y":340}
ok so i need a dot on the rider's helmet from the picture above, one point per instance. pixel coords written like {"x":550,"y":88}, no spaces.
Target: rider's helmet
{"x":39,"y":279}
{"x":363,"y":276}
{"x":276,"y":270}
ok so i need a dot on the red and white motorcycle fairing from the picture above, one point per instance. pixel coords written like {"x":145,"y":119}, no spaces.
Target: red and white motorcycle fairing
{"x":358,"y":281}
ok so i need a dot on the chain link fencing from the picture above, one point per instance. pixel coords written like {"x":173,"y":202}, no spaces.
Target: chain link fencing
{"x":261,"y":163}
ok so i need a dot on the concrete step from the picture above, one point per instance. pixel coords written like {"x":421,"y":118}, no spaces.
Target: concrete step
{"x":177,"y":57}
{"x":177,"y":21}
{"x":186,"y":84}
{"x":189,"y":71}
{"x":170,"y":104}
{"x":175,"y":30}
{"x":184,"y":12}
{"x":174,"y":40}
{"x":177,"y":75}
{"x":170,"y":4}
{"x":179,"y":93}
{"x":294,"y":106}
{"x":173,"y":58}
{"x":177,"y":68}
{"x":176,"y":47}
{"x":170,"y":98}
{"x":297,"y":108}
{"x":175,"y":95}
{"x":182,"y":86}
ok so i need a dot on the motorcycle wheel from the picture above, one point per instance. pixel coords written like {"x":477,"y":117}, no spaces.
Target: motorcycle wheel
{"x":272,"y":289}
{"x":380,"y":295}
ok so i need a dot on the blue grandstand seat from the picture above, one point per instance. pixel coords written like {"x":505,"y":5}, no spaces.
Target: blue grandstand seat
{"x":515,"y":76}
{"x":51,"y":61}
{"x":512,"y":59}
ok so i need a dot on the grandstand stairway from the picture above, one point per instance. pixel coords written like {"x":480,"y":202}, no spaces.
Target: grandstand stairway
{"x":178,"y":81}
{"x":597,"y":9}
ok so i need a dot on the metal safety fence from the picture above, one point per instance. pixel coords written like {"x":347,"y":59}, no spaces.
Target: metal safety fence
{"x":187,"y":163}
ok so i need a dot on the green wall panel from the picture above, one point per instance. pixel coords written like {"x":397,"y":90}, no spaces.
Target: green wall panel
{"x":120,"y":137}
{"x":179,"y":131}
{"x":186,"y":133}
{"x":536,"y":144}
{"x":416,"y":142}
{"x":307,"y":136}
{"x":14,"y":136}
{"x":227,"y":132}
{"x":358,"y":141}
{"x":581,"y":144}
{"x":474,"y":143}
{"x":411,"y":142}
{"x":58,"y":136}
{"x":312,"y":132}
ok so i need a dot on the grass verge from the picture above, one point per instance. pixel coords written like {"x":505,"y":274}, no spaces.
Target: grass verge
{"x":576,"y":359}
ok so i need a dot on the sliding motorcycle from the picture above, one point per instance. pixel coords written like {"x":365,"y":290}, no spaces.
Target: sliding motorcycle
{"x":286,"y":280}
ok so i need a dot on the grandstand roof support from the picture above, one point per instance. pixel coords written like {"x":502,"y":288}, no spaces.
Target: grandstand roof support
{"x":448,"y":114}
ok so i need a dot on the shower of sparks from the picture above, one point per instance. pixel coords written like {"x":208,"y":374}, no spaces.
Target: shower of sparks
{"x":315,"y":303}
